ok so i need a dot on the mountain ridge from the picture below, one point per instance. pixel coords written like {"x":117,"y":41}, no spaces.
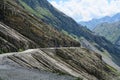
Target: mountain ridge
{"x":94,"y":22}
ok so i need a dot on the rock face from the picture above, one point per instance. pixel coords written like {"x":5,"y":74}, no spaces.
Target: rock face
{"x":78,"y":62}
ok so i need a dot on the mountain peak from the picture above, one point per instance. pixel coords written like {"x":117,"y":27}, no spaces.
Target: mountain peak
{"x":94,"y":22}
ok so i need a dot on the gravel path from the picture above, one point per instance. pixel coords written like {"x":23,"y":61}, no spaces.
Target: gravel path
{"x":11,"y":73}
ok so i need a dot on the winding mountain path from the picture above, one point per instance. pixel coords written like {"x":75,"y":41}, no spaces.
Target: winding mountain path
{"x":12,"y":72}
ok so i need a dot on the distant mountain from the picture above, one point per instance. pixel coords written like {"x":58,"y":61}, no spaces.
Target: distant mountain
{"x":94,"y":22}
{"x":111,"y":31}
{"x":117,"y":43}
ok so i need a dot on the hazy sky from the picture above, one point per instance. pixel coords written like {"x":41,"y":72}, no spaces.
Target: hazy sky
{"x":83,"y":10}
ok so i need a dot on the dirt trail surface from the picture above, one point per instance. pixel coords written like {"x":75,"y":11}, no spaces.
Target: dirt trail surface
{"x":10,"y":73}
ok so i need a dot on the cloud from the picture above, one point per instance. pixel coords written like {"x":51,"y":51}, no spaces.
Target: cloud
{"x":83,"y":10}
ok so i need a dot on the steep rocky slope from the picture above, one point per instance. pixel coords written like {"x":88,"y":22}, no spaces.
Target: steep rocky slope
{"x":21,"y":24}
{"x":109,"y":30}
{"x":11,"y":40}
{"x":62,"y":22}
{"x":78,"y":62}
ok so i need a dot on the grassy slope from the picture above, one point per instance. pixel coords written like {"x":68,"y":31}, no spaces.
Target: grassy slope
{"x":37,"y":11}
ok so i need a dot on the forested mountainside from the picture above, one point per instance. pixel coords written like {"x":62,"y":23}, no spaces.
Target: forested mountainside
{"x":110,"y":31}
{"x":44,"y":11}
{"x":94,"y":22}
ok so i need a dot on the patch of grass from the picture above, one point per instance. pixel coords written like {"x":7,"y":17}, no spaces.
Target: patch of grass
{"x":111,"y":68}
{"x":28,"y":8}
{"x":43,"y":11}
{"x":70,"y":35}
{"x":20,"y":50}
{"x":38,"y":11}
{"x":1,"y":51}
{"x":59,"y":72}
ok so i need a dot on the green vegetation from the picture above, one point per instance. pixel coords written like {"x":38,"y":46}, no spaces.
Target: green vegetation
{"x":70,"y":35}
{"x":1,"y":51}
{"x":59,"y":72}
{"x":37,"y":11}
{"x":111,"y":68}
{"x":28,"y":8}
{"x":78,"y":78}
{"x":20,"y":50}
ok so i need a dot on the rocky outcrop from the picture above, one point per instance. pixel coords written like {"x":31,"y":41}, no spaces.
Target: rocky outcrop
{"x":78,"y":62}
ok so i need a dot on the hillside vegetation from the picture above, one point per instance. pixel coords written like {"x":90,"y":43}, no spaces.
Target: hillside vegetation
{"x":26,"y":31}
